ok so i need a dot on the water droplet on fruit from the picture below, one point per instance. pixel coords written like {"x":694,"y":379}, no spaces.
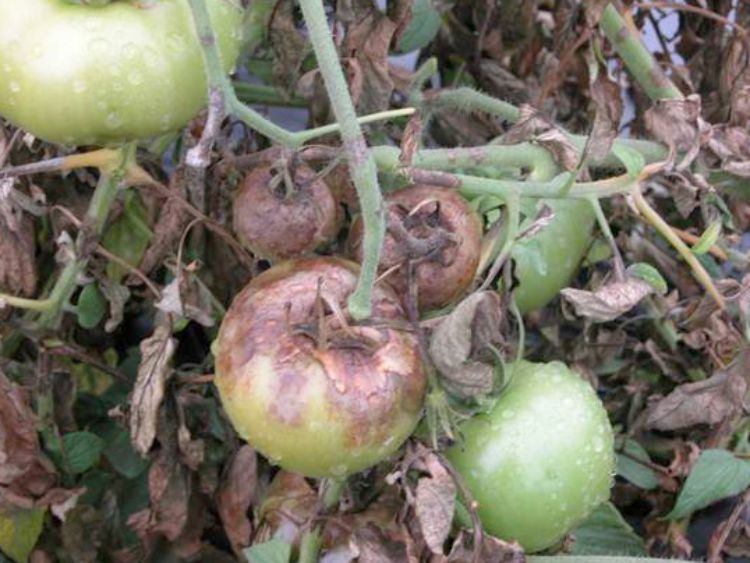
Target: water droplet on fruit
{"x":598,"y":444}
{"x":79,"y":86}
{"x":166,"y":122}
{"x":113,"y":120}
{"x":129,"y":51}
{"x":175,"y":42}
{"x":14,"y":86}
{"x":90,"y":23}
{"x":339,"y":470}
{"x":135,"y":78}
{"x":99,"y":46}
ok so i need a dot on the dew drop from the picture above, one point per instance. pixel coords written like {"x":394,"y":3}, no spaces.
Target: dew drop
{"x":79,"y":86}
{"x":99,"y":45}
{"x":14,"y":86}
{"x":113,"y":120}
{"x":135,"y":78}
{"x":598,"y":444}
{"x":175,"y":42}
{"x":129,"y":51}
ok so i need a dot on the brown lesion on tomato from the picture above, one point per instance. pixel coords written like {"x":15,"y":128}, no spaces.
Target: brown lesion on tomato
{"x":284,"y":210}
{"x":434,"y":231}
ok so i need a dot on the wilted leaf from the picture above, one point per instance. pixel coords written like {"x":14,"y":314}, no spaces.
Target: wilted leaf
{"x":235,"y":495}
{"x":127,"y":237}
{"x":606,"y":532}
{"x":716,"y":475}
{"x":704,"y":402}
{"x":470,"y":328}
{"x":373,"y":546}
{"x":83,"y":534}
{"x":153,"y":372}
{"x":609,"y":301}
{"x":289,"y":44}
{"x":649,"y":274}
{"x":117,"y":295}
{"x":532,"y":126}
{"x":410,"y":140}
{"x":628,"y":466}
{"x":19,"y":531}
{"x":24,"y":471}
{"x":492,"y":550}
{"x":608,"y":103}
{"x":435,"y":503}
{"x":678,"y":124}
{"x":17,"y":258}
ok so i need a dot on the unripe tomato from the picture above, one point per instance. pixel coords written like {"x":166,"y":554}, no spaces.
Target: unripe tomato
{"x":84,"y":75}
{"x":428,"y":213}
{"x":542,"y":459}
{"x":313,"y":393}
{"x":548,"y":261}
{"x":277,"y":221}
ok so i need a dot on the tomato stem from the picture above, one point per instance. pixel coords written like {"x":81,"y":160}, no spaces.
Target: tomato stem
{"x":626,"y":41}
{"x":362,"y":167}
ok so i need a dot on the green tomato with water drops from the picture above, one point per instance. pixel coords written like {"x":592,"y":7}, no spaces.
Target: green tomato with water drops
{"x":104,"y":74}
{"x":542,"y":459}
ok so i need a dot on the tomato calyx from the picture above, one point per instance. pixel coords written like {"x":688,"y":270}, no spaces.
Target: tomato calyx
{"x":420,"y":234}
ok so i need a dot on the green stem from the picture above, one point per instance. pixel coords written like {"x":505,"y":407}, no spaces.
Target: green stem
{"x":308,"y":135}
{"x":100,"y":204}
{"x":601,"y":219}
{"x":256,"y":22}
{"x":362,"y":167}
{"x":637,"y":58}
{"x":265,"y":95}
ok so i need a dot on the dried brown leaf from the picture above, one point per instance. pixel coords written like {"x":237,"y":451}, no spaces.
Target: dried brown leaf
{"x":368,"y":42}
{"x":411,"y":140}
{"x":532,"y":126}
{"x":148,"y":393}
{"x":709,"y":402}
{"x":25,"y":474}
{"x":605,"y":95}
{"x":457,"y":344}
{"x":373,"y":546}
{"x":493,"y":550}
{"x":435,"y":503}
{"x":609,"y":301}
{"x":236,"y":494}
{"x":678,"y":124}
{"x":18,"y":274}
{"x":289,"y":44}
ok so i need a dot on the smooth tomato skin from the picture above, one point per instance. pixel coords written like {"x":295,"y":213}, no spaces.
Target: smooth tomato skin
{"x":319,"y":411}
{"x":542,"y":459}
{"x":548,"y":261}
{"x":87,"y":75}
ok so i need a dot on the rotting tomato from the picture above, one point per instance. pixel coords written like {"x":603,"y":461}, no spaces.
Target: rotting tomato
{"x":542,"y":459}
{"x":275,"y":220}
{"x":546,"y":262}
{"x":96,"y":75}
{"x":436,"y":229}
{"x":310,"y":390}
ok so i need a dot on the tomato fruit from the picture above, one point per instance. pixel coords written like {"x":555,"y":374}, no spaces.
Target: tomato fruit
{"x":547,"y":262}
{"x":435,"y":228}
{"x":95,"y":75}
{"x":277,"y":221}
{"x":308,"y":389}
{"x":542,"y":459}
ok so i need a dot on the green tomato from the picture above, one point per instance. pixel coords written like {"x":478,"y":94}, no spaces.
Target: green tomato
{"x":88,"y":75}
{"x":542,"y":459}
{"x":548,"y":261}
{"x":312,"y":396}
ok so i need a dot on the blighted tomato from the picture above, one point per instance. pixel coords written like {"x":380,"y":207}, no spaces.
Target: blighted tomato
{"x":542,"y":459}
{"x":310,"y":390}
{"x":276,"y":220}
{"x":435,"y":229}
{"x":81,"y":74}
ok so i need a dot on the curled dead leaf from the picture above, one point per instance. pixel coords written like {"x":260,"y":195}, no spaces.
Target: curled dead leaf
{"x":459,"y":344}
{"x":435,"y":503}
{"x":236,"y":493}
{"x":148,"y":393}
{"x":709,"y":402}
{"x":609,"y":301}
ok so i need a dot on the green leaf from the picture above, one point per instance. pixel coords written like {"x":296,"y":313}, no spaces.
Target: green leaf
{"x":91,"y":306}
{"x":127,"y":237}
{"x":82,"y":450}
{"x":716,"y":475}
{"x":631,"y":159}
{"x":423,"y":27}
{"x":708,"y":238}
{"x":637,"y":473}
{"x":606,"y":532}
{"x":650,"y":275}
{"x":19,"y":532}
{"x":120,"y":453}
{"x":274,"y":550}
